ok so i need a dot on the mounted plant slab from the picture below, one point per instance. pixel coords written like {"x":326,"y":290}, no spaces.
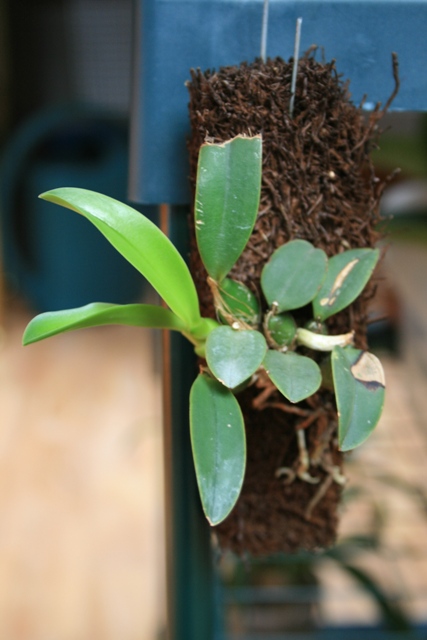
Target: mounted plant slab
{"x":316,"y":201}
{"x":263,"y":345}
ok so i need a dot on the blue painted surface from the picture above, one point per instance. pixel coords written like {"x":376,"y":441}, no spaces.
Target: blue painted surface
{"x":171,"y":37}
{"x":175,"y":35}
{"x":54,"y":258}
{"x":192,"y":612}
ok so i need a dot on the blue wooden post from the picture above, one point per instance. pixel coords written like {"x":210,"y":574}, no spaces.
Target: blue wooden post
{"x":190,"y":583}
{"x":175,"y":35}
{"x":171,"y":37}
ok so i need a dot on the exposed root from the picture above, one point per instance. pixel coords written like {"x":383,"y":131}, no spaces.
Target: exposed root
{"x":318,"y":496}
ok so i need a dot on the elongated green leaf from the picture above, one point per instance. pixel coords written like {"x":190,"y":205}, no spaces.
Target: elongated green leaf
{"x":347,"y":275}
{"x":293,"y":275}
{"x":233,"y":356}
{"x":219,"y":446}
{"x":359,"y":389}
{"x":140,"y":242}
{"x":297,"y":377}
{"x":227,"y":200}
{"x":96,"y":314}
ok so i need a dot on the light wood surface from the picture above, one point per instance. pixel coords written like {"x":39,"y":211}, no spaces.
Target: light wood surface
{"x":81,"y":498}
{"x":388,"y":473}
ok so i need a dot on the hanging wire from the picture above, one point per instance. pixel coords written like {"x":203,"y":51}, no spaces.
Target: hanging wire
{"x":295,"y":67}
{"x":264,"y":30}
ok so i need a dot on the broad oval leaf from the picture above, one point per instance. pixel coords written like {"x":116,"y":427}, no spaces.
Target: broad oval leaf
{"x":359,"y":389}
{"x":96,"y":314}
{"x":141,"y":242}
{"x":347,"y":275}
{"x":296,"y":377}
{"x":293,"y":275}
{"x":227,"y":200}
{"x":219,"y":446}
{"x":233,"y":356}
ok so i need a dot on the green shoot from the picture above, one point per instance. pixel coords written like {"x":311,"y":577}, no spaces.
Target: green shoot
{"x":251,"y":340}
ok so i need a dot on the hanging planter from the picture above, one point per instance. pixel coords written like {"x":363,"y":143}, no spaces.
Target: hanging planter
{"x":318,"y":186}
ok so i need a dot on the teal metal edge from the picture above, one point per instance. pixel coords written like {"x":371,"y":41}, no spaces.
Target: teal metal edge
{"x":193,"y":613}
{"x":176,"y":35}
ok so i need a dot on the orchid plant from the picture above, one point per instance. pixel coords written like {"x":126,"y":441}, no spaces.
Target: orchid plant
{"x":251,"y":339}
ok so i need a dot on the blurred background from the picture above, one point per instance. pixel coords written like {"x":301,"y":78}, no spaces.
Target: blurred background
{"x":81,"y":493}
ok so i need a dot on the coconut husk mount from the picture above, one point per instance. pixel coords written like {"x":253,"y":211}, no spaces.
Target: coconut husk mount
{"x":318,"y":184}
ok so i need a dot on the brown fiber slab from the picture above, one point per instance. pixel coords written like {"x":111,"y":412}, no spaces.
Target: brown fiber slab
{"x":318,"y":184}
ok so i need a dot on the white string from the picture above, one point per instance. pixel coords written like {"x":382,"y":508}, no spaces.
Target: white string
{"x":295,"y":67}
{"x":264,"y":29}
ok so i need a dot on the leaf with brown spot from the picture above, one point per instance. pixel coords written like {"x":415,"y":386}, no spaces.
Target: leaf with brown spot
{"x":359,"y":389}
{"x":346,"y":278}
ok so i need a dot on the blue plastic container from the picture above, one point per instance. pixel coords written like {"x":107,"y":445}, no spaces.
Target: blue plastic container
{"x":53,"y":256}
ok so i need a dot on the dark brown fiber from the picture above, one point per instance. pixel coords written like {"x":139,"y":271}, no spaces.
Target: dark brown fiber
{"x":318,"y":184}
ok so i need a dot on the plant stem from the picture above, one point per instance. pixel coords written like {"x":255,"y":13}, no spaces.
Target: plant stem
{"x":323,"y":343}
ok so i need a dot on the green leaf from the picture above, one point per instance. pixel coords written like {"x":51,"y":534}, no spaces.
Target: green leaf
{"x":97,"y":314}
{"x":235,"y":301}
{"x":227,"y":200}
{"x":359,"y":389}
{"x":347,"y":275}
{"x":233,"y":356}
{"x":293,"y":275}
{"x":282,"y":329}
{"x":219,"y":446}
{"x":296,"y":377}
{"x":141,"y":242}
